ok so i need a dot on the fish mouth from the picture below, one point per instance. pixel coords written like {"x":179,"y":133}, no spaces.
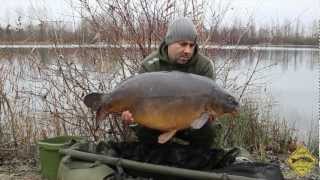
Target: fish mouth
{"x":235,"y":114}
{"x":236,"y":111}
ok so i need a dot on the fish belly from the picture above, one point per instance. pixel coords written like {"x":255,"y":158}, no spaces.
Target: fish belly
{"x":165,"y":114}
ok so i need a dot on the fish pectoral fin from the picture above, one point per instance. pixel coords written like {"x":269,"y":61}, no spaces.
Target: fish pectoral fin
{"x":166,"y":136}
{"x":201,"y":121}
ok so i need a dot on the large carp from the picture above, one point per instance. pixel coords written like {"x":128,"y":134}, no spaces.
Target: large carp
{"x":166,"y":101}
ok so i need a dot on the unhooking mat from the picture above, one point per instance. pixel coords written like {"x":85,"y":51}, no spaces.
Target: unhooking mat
{"x":191,"y":157}
{"x":171,"y":154}
{"x":182,"y":156}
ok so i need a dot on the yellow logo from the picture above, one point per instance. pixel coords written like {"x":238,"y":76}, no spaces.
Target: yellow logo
{"x":302,"y":161}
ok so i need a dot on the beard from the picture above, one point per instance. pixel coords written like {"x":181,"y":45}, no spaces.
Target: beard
{"x":183,"y":59}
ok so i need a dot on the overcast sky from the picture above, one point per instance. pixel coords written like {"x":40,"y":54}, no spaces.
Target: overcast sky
{"x":264,"y":11}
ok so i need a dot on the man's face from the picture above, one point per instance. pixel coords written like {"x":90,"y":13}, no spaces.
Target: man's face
{"x":181,"y":51}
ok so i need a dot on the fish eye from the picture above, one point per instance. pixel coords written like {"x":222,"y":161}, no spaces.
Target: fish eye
{"x":233,"y":100}
{"x":230,"y":98}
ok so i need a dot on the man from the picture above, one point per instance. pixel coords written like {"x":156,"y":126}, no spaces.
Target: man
{"x":179,"y":52}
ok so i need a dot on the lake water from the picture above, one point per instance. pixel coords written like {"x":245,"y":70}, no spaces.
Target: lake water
{"x":294,"y":87}
{"x":290,"y":77}
{"x":297,"y":88}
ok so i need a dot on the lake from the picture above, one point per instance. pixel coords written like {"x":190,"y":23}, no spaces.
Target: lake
{"x":292,"y":82}
{"x":296,"y":89}
{"x":287,"y":75}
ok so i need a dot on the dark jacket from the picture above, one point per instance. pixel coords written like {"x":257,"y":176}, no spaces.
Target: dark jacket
{"x":159,"y":61}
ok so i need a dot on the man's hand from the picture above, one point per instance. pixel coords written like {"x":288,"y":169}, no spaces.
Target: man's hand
{"x":211,"y":118}
{"x":127,"y":117}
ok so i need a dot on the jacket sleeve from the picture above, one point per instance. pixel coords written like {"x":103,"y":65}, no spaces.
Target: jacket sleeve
{"x":208,"y":71}
{"x":143,"y":69}
{"x":207,"y":68}
{"x":148,"y":64}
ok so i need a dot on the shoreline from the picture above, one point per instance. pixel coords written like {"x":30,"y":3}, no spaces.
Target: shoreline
{"x":126,"y":46}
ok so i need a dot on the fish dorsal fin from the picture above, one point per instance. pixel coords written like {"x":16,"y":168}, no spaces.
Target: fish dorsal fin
{"x":201,"y":121}
{"x":166,"y":136}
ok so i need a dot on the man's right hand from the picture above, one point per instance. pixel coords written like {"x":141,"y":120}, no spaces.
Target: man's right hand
{"x":127,"y":117}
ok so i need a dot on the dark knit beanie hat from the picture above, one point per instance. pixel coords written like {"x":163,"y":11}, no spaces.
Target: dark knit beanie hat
{"x":181,"y":29}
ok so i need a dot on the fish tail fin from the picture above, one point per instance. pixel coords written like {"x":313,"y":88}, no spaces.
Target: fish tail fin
{"x":94,"y":100}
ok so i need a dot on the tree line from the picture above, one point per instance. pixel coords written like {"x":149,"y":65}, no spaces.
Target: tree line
{"x":123,"y":22}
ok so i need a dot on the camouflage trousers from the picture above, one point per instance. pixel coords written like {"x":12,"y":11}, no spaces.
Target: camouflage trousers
{"x":210,"y":135}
